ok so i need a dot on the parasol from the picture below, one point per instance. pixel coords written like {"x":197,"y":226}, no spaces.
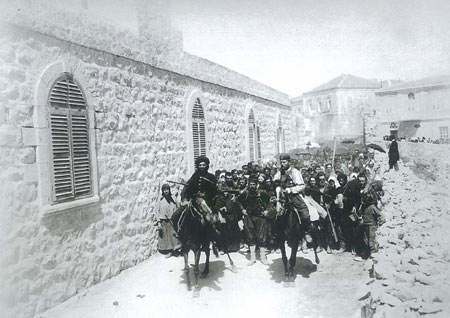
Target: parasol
{"x":376,"y":147}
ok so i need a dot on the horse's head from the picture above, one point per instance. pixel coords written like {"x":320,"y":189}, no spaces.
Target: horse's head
{"x":202,"y":207}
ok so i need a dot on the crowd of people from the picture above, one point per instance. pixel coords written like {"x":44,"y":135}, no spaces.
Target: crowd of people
{"x":346,"y":195}
{"x":421,"y":139}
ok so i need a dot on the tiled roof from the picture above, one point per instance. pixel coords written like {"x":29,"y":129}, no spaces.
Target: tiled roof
{"x":424,"y":82}
{"x":346,"y":81}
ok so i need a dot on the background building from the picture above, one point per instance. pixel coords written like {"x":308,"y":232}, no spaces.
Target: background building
{"x":335,"y":108}
{"x":414,"y":109}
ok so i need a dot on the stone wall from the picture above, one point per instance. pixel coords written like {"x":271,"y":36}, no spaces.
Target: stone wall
{"x":138,"y":116}
{"x":429,"y":161}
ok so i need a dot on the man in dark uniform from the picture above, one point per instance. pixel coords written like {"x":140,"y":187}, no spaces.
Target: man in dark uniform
{"x":202,"y":183}
{"x":202,"y":188}
{"x":228,"y":210}
{"x":254,"y":208}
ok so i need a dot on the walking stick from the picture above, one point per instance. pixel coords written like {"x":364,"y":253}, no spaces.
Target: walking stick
{"x":332,"y":225}
{"x":334,"y":154}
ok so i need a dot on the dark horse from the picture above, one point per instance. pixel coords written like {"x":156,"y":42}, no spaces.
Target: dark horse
{"x":196,"y":229}
{"x":291,"y":226}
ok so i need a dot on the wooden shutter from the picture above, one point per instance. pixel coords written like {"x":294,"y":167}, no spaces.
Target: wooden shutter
{"x":251,"y":135}
{"x":251,"y":142}
{"x":196,"y":139}
{"x":72,"y":177}
{"x":198,"y":130}
{"x":258,"y":143}
{"x":62,"y":161}
{"x":81,"y":162}
{"x":202,"y":139}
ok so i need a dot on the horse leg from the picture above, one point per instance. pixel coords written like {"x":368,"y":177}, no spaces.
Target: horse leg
{"x":196,"y":273}
{"x":233,"y":267}
{"x":292,"y":262}
{"x":315,"y":244}
{"x":285,"y":261}
{"x":186,"y":269}
{"x":206,"y":268}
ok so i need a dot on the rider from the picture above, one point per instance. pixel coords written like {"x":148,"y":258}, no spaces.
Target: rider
{"x":201,"y":187}
{"x":291,"y":181}
{"x":201,"y":184}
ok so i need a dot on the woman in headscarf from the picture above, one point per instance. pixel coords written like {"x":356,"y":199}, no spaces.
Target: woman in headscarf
{"x":167,"y":241}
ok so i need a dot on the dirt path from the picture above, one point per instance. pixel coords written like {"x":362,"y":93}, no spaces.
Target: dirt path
{"x":157,"y":288}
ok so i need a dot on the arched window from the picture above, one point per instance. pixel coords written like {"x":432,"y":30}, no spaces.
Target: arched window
{"x":254,"y":138}
{"x":198,"y":130}
{"x":70,"y":163}
{"x":280,"y":142}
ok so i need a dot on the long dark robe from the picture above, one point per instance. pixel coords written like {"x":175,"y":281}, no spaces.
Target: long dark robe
{"x":394,"y":155}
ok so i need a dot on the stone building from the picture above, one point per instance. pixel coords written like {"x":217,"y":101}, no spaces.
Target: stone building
{"x":337,"y":108}
{"x":93,"y":119}
{"x":415,"y":109}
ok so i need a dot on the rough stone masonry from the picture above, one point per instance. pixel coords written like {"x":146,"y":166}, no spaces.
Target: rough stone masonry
{"x":139,"y":90}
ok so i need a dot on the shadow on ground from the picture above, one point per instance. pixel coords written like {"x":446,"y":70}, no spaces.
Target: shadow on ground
{"x":303,"y":267}
{"x":216,"y":271}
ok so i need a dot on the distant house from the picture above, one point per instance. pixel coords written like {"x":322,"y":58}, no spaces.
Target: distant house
{"x":418,"y":108}
{"x":335,"y":108}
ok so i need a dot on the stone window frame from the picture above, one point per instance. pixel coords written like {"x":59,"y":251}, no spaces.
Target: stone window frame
{"x":190,"y":102}
{"x":42,"y":134}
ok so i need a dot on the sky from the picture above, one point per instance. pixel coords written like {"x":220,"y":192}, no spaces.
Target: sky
{"x":296,"y":45}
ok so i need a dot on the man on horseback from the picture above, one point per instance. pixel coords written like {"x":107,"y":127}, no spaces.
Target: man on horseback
{"x":293,"y":221}
{"x":291,"y":181}
{"x":195,"y":220}
{"x":201,"y":184}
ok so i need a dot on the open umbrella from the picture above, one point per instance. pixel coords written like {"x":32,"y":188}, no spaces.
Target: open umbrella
{"x":376,"y":147}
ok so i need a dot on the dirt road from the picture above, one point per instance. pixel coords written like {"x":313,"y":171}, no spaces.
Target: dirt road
{"x":157,"y":288}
